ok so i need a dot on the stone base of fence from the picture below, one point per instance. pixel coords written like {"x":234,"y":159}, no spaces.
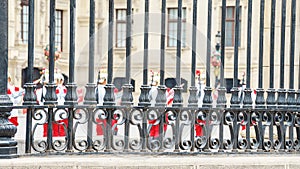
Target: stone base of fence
{"x":120,"y":161}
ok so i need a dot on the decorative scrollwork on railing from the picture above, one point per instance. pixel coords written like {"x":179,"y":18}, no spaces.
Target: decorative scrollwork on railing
{"x":296,"y":144}
{"x":153,"y":117}
{"x":81,"y":117}
{"x":242,"y":144}
{"x":227,"y":144}
{"x":267,"y":144}
{"x":40,"y":118}
{"x":170,"y":119}
{"x":186,"y":120}
{"x":136,"y":119}
{"x":214,"y":120}
{"x":229,"y":118}
{"x":118,"y":142}
{"x":99,"y":118}
{"x":254,"y":120}
{"x":214,"y":143}
{"x":297,"y":120}
{"x":153,"y":144}
{"x":201,"y":140}
{"x":266,"y":122}
{"x":281,"y":129}
{"x":61,"y":120}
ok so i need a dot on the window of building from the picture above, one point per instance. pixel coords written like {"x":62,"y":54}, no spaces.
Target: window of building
{"x":24,"y":21}
{"x":172,"y":27}
{"x":121,"y":28}
{"x":59,"y":29}
{"x":230,"y":26}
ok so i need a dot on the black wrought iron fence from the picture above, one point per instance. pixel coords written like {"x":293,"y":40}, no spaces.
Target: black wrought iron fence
{"x":266,"y":125}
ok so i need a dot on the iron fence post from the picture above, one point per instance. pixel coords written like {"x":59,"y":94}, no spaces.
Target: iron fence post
{"x":8,"y":146}
{"x":298,"y":99}
{"x":30,"y":97}
{"x":193,"y":99}
{"x":51,"y":97}
{"x":90,"y":97}
{"x":291,"y":101}
{"x":260,"y":100}
{"x":128,"y":88}
{"x":221,"y":100}
{"x":71,"y":96}
{"x":247,"y":101}
{"x":207,"y":99}
{"x":109,"y":97}
{"x":161,"y":98}
{"x":271,"y":102}
{"x":281,"y":99}
{"x":235,"y":101}
{"x":177,"y":101}
{"x":144,"y":96}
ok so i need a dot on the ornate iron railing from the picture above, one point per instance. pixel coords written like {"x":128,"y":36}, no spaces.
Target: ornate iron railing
{"x":270,"y":126}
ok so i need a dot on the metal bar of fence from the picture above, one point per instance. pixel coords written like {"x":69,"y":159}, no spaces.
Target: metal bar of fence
{"x":162,"y":42}
{"x":236,"y":43}
{"x":249,"y":31}
{"x":261,"y":43}
{"x":90,"y":97}
{"x":110,"y":41}
{"x":127,"y":93}
{"x":71,"y":97}
{"x":272,"y":43}
{"x":193,"y":99}
{"x":146,"y":31}
{"x":223,"y":42}
{"x":282,"y":92}
{"x":247,"y":97}
{"x":28,"y":97}
{"x":91,"y":41}
{"x":30,"y":42}
{"x":271,"y":91}
{"x":72,"y":41}
{"x":235,"y":90}
{"x":90,"y":87}
{"x":291,"y":101}
{"x":292,"y":43}
{"x":52,"y":41}
{"x":128,"y":41}
{"x":282,"y":47}
{"x":208,"y":52}
{"x":260,"y":101}
{"x":161,"y":96}
{"x":3,"y":50}
{"x":51,"y":97}
{"x":145,"y":88}
{"x":8,"y":147}
{"x":194,"y":42}
{"x":207,"y":99}
{"x":247,"y":102}
{"x":178,"y":51}
{"x":109,"y":97}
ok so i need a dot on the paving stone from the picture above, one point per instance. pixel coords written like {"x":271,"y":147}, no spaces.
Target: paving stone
{"x":242,"y":167}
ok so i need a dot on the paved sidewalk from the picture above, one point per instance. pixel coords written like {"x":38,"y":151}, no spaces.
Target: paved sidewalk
{"x":117,"y":161}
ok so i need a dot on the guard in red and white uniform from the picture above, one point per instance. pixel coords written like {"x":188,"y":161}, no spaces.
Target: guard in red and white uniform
{"x":61,"y":91}
{"x":15,"y":95}
{"x":100,"y":93}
